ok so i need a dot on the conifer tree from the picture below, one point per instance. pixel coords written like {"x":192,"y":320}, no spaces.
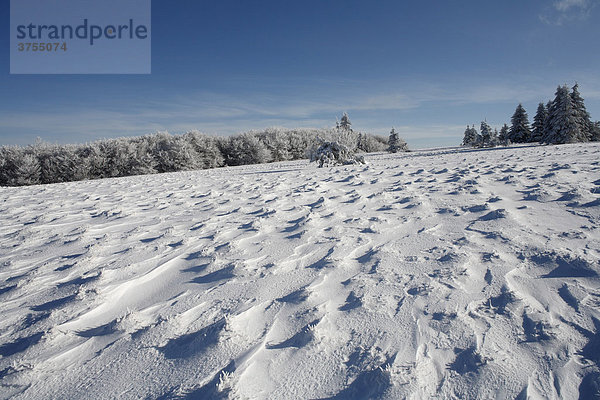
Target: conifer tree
{"x":547,"y":124}
{"x":503,"y":137}
{"x":471,"y":137}
{"x":519,"y":132}
{"x":596,"y":132}
{"x":494,"y":141}
{"x":583,"y":117}
{"x":563,"y":123}
{"x":486,"y":134}
{"x":345,"y":123}
{"x":539,"y":123}
{"x":393,"y":141}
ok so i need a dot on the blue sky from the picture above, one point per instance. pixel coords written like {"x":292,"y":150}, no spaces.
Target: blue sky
{"x":427,"y":68}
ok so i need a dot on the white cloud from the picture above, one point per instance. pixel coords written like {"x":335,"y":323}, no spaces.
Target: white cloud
{"x":566,"y":11}
{"x":566,"y":5}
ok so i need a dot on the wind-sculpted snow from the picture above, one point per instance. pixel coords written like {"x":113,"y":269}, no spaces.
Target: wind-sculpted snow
{"x":438,"y":274}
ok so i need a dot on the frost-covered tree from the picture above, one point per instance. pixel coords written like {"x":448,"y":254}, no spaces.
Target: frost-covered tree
{"x":583,"y":117}
{"x":19,"y":167}
{"x":596,"y":132}
{"x":345,"y":123}
{"x":245,"y":149}
{"x":539,"y":123}
{"x":471,"y":137}
{"x":57,"y":163}
{"x":519,"y":132}
{"x":172,"y":153}
{"x":486,"y":135}
{"x":503,"y":136}
{"x":494,"y":141}
{"x":563,"y":120}
{"x":135,"y":156}
{"x":393,"y":141}
{"x":10,"y":157}
{"x":162,"y":152}
{"x":207,"y":153}
{"x":547,"y":123}
{"x":369,"y":143}
{"x":277,"y":143}
{"x":27,"y":171}
{"x":3,"y":166}
{"x":334,"y":153}
{"x":300,"y":142}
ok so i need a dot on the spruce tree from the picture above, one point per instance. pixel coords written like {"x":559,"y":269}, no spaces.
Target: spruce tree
{"x":345,"y":123}
{"x":393,"y":142}
{"x":539,"y":123}
{"x":596,"y":132}
{"x":471,"y":137}
{"x":519,"y":132}
{"x":547,"y":124}
{"x":503,"y":137}
{"x":563,"y":122}
{"x":486,"y":134}
{"x":583,"y":117}
{"x":494,"y":141}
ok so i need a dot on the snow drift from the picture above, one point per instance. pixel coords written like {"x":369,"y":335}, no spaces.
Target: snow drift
{"x":448,"y":274}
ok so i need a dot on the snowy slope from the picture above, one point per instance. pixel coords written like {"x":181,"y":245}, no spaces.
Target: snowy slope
{"x":447,"y":274}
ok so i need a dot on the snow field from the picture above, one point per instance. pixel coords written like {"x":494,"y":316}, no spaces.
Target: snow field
{"x":444,"y":273}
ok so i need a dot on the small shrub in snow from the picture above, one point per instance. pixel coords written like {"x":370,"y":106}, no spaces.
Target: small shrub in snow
{"x":334,"y":153}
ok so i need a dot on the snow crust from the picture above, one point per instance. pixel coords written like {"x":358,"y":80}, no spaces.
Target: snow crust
{"x":447,"y":273}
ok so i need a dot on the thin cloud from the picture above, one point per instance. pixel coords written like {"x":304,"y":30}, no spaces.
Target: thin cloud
{"x":224,"y":114}
{"x":567,"y":11}
{"x":566,"y":5}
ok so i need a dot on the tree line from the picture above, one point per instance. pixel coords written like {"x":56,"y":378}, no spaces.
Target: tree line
{"x":43,"y":163}
{"x":562,"y":120}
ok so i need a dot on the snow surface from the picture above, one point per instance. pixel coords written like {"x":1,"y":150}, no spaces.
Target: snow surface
{"x":446,"y":273}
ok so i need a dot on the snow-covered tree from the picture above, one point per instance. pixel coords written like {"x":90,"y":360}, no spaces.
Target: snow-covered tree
{"x":300,"y":142}
{"x":596,"y":132}
{"x":583,"y":117}
{"x":345,"y":123}
{"x":494,"y":141}
{"x":393,"y":141}
{"x":245,"y":149}
{"x":563,"y":120}
{"x":334,"y":153}
{"x":519,"y":132}
{"x":3,"y":166}
{"x":27,"y":171}
{"x":547,"y":123}
{"x":486,"y":135}
{"x":10,"y":156}
{"x":539,"y":123}
{"x":471,"y":137}
{"x":207,"y":153}
{"x":162,"y":152}
{"x":369,"y":143}
{"x":503,"y":136}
